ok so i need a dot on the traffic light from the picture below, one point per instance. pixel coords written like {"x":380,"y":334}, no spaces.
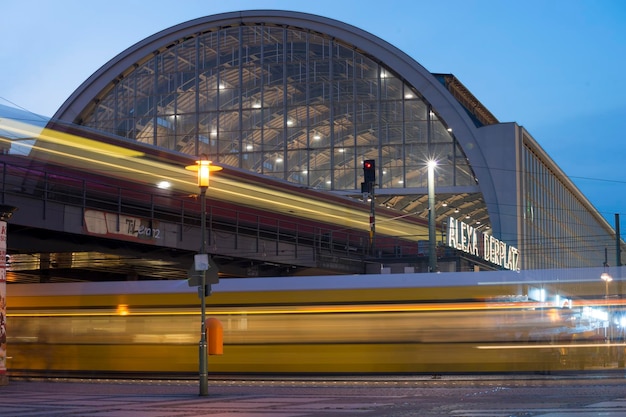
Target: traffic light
{"x":369,"y":171}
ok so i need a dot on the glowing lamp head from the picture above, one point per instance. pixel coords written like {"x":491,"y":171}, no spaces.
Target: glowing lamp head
{"x":203,"y":167}
{"x":204,"y":172}
{"x":606,"y":277}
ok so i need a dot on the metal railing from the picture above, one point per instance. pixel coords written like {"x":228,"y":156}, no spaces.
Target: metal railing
{"x":269,"y":231}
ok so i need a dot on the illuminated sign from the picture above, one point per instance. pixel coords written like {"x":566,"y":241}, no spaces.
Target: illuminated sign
{"x":466,"y":238}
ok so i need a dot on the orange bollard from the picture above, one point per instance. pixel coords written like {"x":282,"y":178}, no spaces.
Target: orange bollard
{"x":215,"y":336}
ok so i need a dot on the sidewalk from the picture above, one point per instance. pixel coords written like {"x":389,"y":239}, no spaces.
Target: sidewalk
{"x":320,"y":397}
{"x":178,"y":399}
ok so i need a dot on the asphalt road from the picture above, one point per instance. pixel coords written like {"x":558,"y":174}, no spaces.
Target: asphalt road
{"x":479,"y":396}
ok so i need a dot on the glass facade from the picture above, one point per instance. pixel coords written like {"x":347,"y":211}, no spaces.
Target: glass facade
{"x":559,"y":231}
{"x":284,"y":102}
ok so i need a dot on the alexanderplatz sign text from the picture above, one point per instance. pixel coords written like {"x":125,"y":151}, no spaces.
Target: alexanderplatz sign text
{"x":466,"y":238}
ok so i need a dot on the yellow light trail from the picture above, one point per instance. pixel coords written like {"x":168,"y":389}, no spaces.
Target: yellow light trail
{"x":133,"y":165}
{"x":544,"y":346}
{"x":65,"y":139}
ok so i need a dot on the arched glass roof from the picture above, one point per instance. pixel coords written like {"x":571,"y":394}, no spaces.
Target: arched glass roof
{"x":287,"y":98}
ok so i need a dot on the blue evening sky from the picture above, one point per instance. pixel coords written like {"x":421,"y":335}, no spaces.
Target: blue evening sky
{"x":553,"y":66}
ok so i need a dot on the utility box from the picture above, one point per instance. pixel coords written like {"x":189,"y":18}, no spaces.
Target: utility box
{"x":215,"y":336}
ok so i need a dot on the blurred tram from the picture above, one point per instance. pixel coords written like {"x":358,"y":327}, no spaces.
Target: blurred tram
{"x":362,"y":324}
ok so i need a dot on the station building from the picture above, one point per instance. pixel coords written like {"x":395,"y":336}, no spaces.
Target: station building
{"x":304,"y":99}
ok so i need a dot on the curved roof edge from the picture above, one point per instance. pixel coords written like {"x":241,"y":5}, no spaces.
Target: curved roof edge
{"x":443,"y":101}
{"x":381,"y":51}
{"x":125,"y":62}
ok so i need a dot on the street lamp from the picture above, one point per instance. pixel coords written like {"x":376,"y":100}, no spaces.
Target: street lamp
{"x":432,"y":255}
{"x":204,"y":168}
{"x":607,"y":278}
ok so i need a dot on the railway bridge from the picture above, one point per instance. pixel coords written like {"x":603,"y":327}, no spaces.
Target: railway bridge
{"x":69,"y":226}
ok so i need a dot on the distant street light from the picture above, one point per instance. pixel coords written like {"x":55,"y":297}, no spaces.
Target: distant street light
{"x":607,"y":278}
{"x":204,"y":168}
{"x":605,"y":275}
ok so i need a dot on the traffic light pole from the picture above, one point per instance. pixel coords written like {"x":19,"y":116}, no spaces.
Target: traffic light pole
{"x":369,"y":177}
{"x":372,"y":220}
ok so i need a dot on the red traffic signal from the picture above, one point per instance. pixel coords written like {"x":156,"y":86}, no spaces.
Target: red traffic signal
{"x":369,"y":171}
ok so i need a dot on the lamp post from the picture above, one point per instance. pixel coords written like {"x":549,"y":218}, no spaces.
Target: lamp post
{"x":607,"y":278}
{"x":432,"y":246}
{"x":204,"y":168}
